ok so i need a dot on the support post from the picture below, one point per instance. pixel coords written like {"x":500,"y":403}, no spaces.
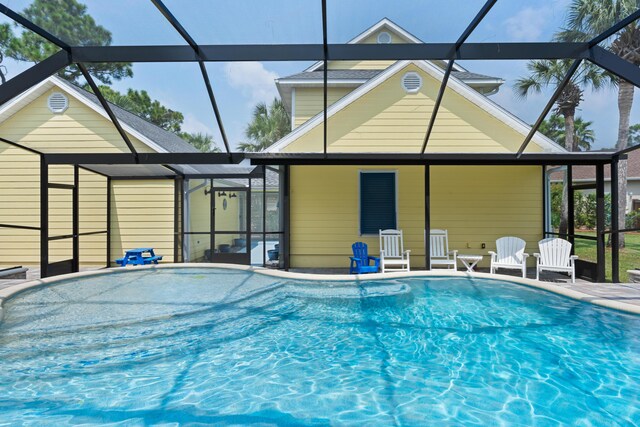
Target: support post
{"x":427,"y":216}
{"x":544,"y":202}
{"x":44,"y":217}
{"x":177,"y":206}
{"x":325,"y":71}
{"x":615,"y":225}
{"x":108,"y":264}
{"x":75,"y":214}
{"x":264,"y":216}
{"x":286,"y":213}
{"x":600,"y":223}
{"x":571,"y":224}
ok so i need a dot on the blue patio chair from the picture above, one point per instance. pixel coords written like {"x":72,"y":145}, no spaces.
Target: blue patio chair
{"x":360,"y":261}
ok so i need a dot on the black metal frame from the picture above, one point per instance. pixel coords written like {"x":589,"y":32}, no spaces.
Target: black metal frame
{"x":303,"y":52}
{"x":445,"y":79}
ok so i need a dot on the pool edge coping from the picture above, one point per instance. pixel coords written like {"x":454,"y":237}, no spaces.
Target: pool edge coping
{"x":12,"y":291}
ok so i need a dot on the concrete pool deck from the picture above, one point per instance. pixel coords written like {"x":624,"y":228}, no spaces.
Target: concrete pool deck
{"x":621,"y":296}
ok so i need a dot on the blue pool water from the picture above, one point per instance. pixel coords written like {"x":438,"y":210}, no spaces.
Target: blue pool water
{"x":228,"y":347}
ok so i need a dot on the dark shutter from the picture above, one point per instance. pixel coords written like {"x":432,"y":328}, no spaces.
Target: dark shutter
{"x":377,"y":202}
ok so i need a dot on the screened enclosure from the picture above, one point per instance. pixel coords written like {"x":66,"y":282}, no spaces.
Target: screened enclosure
{"x":332,"y":63}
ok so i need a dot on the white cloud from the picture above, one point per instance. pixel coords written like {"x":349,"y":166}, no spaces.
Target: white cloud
{"x":255,"y":82}
{"x":527,"y":25}
{"x":193,"y":125}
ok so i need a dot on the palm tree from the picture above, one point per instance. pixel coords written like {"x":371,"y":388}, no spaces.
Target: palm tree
{"x":202,"y":141}
{"x":545,"y":73}
{"x":583,"y":136}
{"x":634,"y":135}
{"x":585,"y":20}
{"x":268,"y":125}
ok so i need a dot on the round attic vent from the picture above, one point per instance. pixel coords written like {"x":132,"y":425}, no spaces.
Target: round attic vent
{"x":411,"y":82}
{"x":384,"y":38}
{"x":57,"y":102}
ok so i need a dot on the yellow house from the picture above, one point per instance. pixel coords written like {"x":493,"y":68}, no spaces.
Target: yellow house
{"x":384,"y":107}
{"x":58,"y":117}
{"x":373,"y":107}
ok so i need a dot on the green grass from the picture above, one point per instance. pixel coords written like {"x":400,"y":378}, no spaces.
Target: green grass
{"x":629,"y":256}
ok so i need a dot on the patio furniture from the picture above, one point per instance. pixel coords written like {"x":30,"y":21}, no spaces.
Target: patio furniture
{"x":393,"y":257}
{"x":361,"y":261}
{"x":634,"y":275}
{"x":136,"y":257}
{"x":555,"y":255}
{"x":439,"y":250}
{"x":470,"y":261}
{"x":510,"y":255}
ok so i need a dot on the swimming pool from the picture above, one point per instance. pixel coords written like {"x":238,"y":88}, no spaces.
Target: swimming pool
{"x":222,"y":346}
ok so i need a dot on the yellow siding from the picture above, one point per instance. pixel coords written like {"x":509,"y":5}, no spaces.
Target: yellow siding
{"x":142,"y":216}
{"x":78,"y":130}
{"x":386,"y":119}
{"x":359,"y":65}
{"x":367,"y":65}
{"x":310,"y":101}
{"x":476,"y":204}
{"x":81,"y":130}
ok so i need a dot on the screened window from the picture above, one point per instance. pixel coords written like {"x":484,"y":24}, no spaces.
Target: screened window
{"x":377,"y":201}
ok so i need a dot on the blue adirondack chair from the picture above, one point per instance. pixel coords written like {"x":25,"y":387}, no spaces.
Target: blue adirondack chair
{"x":360,"y":261}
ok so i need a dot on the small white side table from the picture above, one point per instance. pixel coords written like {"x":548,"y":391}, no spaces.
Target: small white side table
{"x":470,"y":261}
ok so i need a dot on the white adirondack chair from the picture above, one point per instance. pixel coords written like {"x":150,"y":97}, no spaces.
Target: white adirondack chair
{"x":393,"y":257}
{"x":555,"y":255}
{"x":439,"y":250}
{"x":510,"y":255}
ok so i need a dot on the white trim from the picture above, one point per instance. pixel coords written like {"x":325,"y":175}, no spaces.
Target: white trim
{"x":395,"y":184}
{"x":131,"y":131}
{"x":457,"y":85}
{"x":55,"y":81}
{"x":293,"y":108}
{"x":390,"y":25}
{"x":9,"y":105}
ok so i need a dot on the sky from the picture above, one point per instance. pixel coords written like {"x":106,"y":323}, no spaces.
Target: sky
{"x":239,"y":86}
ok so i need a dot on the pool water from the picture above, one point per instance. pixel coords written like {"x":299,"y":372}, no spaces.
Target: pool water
{"x":229,"y":347}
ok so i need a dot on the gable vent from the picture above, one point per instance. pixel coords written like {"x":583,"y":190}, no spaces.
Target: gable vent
{"x":384,"y":38}
{"x":411,"y":82}
{"x":57,"y":102}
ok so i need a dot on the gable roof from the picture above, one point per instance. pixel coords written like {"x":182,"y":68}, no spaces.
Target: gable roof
{"x":368,"y":74}
{"x":454,"y":83}
{"x":389,"y":25}
{"x":158,"y":139}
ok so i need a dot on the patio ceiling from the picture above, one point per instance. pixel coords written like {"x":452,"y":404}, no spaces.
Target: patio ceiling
{"x":193,"y":51}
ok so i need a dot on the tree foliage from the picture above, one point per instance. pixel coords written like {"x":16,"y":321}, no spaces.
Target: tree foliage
{"x":140,"y":103}
{"x":634,"y":134}
{"x":268,"y":125}
{"x":583,"y":134}
{"x":585,"y":20}
{"x":550,"y":73}
{"x":202,"y":141}
{"x":69,"y":21}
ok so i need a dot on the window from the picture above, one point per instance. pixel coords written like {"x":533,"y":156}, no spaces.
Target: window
{"x":377,"y":201}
